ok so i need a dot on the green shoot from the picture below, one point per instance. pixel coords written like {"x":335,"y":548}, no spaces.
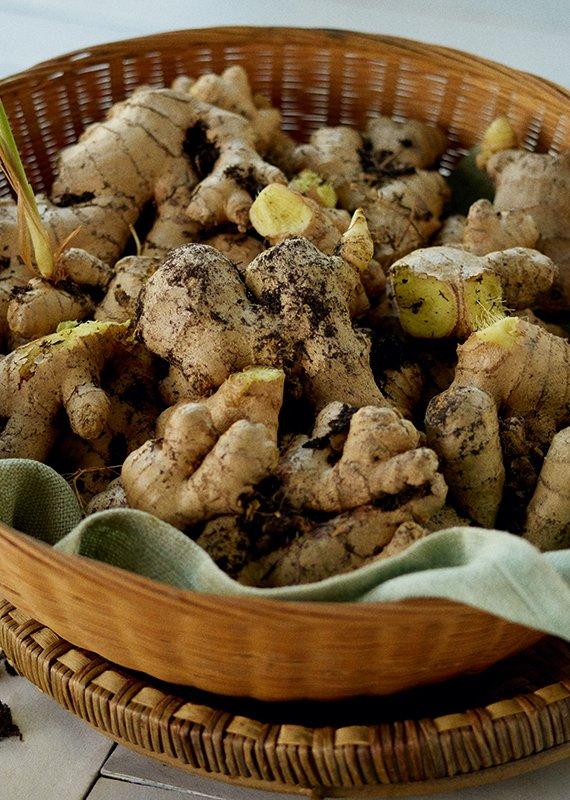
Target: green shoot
{"x":34,"y":240}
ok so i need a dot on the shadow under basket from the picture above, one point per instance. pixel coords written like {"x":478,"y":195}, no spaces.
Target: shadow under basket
{"x":264,"y":649}
{"x":509,"y":720}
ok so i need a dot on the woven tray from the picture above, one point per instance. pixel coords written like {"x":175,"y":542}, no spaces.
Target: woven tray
{"x":511,"y":719}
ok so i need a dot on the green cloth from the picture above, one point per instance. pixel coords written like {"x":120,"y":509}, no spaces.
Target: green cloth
{"x":492,"y":570}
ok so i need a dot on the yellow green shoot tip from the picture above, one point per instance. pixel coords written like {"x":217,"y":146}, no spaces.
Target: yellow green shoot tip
{"x":35,"y":244}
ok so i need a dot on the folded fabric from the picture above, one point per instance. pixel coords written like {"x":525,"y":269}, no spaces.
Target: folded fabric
{"x":492,"y":570}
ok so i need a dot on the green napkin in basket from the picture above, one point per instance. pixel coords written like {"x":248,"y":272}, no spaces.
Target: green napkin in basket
{"x":492,"y":570}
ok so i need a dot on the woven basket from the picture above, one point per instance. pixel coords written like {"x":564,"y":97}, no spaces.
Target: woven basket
{"x":513,"y":718}
{"x":261,"y":648}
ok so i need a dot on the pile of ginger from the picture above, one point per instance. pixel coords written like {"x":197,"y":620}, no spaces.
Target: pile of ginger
{"x":294,"y":353}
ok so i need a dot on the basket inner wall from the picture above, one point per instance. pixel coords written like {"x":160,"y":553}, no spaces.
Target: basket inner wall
{"x":316,"y":78}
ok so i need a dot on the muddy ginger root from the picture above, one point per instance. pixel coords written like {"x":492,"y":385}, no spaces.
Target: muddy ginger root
{"x":314,"y":186}
{"x":39,"y":306}
{"x":210,"y":454}
{"x":240,"y":248}
{"x":445,"y":292}
{"x":195,"y":312}
{"x":539,"y":185}
{"x":232,"y":92}
{"x":332,"y":547}
{"x":104,"y":180}
{"x":280,"y":213}
{"x":61,"y":370}
{"x":505,"y":369}
{"x":129,"y":276}
{"x":452,"y":231}
{"x":403,"y":144}
{"x":375,"y":458}
{"x":402,"y":201}
{"x":487,"y":230}
{"x":113,"y":496}
{"x":548,"y":513}
{"x":129,"y":381}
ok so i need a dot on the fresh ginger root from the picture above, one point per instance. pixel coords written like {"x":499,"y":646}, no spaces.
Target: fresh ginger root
{"x":280,"y":213}
{"x":58,"y":371}
{"x":314,"y":550}
{"x":398,"y":145}
{"x":452,"y":231}
{"x":312,"y":185}
{"x":488,"y":230}
{"x":240,"y":248}
{"x":130,"y":383}
{"x":231,"y":91}
{"x":315,"y":526}
{"x":504,"y":369}
{"x":538,"y":184}
{"x":383,"y":172}
{"x":198,"y":163}
{"x":195,"y":312}
{"x":38,"y":307}
{"x":375,"y":457}
{"x":445,"y":292}
{"x":113,"y":496}
{"x":13,"y":279}
{"x":129,"y":276}
{"x":548,"y":513}
{"x":499,"y":136}
{"x":210,"y":454}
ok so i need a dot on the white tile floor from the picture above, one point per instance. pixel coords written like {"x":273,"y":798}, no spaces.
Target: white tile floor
{"x":60,"y":758}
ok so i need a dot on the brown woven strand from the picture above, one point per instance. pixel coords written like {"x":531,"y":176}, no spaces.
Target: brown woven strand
{"x":245,"y":646}
{"x":345,"y":760}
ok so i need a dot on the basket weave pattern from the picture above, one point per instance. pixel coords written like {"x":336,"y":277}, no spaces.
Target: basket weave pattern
{"x":268,"y":649}
{"x":315,"y":77}
{"x":156,"y":720}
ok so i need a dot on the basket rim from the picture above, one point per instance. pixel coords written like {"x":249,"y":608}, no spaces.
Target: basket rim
{"x":108,"y":575}
{"x":67,"y":61}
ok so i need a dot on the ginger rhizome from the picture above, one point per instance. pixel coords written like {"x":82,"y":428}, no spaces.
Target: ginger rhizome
{"x":548,"y":513}
{"x":384,"y":173}
{"x":129,"y":381}
{"x":514,"y":371}
{"x":292,"y":309}
{"x":538,"y":184}
{"x":309,"y":525}
{"x":198,"y":163}
{"x":59,"y":371}
{"x":210,"y":454}
{"x":445,"y":292}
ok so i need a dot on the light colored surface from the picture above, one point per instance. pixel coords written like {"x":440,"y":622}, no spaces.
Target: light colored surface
{"x":60,"y":755}
{"x":527,"y":34}
{"x":117,"y":790}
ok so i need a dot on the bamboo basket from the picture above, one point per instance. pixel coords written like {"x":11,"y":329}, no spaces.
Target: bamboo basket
{"x":251,"y":647}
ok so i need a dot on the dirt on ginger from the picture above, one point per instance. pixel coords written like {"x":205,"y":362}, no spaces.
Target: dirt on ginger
{"x":291,"y":310}
{"x":512,"y":369}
